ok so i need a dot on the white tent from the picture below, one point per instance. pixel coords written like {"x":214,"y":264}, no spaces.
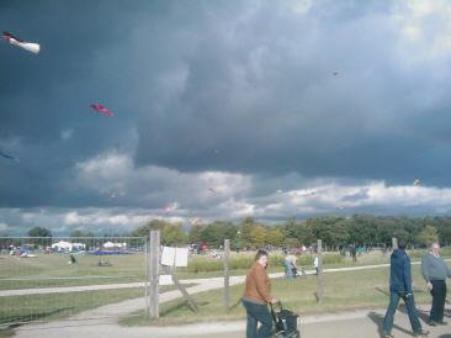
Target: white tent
{"x":62,"y":246}
{"x":67,"y":246}
{"x":111,"y":245}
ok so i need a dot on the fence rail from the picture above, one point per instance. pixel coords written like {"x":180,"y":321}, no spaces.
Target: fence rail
{"x":63,"y":263}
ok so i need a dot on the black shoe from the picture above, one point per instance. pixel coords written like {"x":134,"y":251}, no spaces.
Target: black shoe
{"x":422,"y":334}
{"x":432,"y":323}
{"x":442,"y":323}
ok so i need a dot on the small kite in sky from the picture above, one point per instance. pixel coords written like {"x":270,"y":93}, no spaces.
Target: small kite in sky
{"x":9,"y":157}
{"x":335,"y":73}
{"x":98,"y":108}
{"x":170,"y":207}
{"x":417,"y":182}
{"x":28,"y":46}
{"x":310,"y":193}
{"x":212,"y":190}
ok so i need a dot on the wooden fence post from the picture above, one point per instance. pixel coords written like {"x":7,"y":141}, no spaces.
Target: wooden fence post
{"x":320,"y":290}
{"x":154,"y":265}
{"x":226,"y":274}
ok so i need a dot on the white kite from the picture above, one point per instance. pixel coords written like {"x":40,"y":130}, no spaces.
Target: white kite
{"x":28,"y":46}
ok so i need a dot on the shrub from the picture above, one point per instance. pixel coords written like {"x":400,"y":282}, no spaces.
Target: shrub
{"x":244,"y":262}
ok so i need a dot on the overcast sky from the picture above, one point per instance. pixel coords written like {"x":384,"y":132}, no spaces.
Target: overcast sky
{"x":223,"y":109}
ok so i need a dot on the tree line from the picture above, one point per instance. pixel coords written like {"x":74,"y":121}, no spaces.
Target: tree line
{"x":335,"y":231}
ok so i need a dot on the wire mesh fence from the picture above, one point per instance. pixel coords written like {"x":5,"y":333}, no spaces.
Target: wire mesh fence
{"x":43,"y":278}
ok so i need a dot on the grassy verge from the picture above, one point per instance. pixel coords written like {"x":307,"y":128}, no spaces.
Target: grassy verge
{"x":343,"y":291}
{"x":6,"y":332}
{"x":16,"y":309}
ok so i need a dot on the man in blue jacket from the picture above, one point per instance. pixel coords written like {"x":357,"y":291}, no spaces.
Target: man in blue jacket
{"x":401,"y":287}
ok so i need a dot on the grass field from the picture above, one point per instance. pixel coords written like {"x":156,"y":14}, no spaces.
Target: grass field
{"x":343,"y":291}
{"x":53,"y":270}
{"x":16,"y":309}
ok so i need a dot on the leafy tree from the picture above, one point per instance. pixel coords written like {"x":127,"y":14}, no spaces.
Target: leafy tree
{"x":258,"y":236}
{"x":170,"y":233}
{"x":195,"y":233}
{"x":79,"y":233}
{"x":173,"y":234}
{"x":215,"y":233}
{"x":42,"y":232}
{"x":143,"y":231}
{"x":428,"y":235}
{"x":246,"y":227}
{"x":39,"y":232}
{"x":274,"y":237}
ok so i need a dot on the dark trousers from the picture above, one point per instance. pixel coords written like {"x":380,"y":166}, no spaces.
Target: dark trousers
{"x":411,"y":311}
{"x":438,"y":293}
{"x":257,"y":313}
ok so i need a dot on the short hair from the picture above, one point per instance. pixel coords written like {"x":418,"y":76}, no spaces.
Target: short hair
{"x":260,"y":253}
{"x":402,"y":243}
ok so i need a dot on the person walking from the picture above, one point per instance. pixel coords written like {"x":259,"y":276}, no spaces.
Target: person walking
{"x":291,"y":269}
{"x":401,"y":287}
{"x":435,"y":271}
{"x":257,"y":294}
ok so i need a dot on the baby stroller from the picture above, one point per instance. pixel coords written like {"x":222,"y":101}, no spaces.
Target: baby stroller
{"x":285,"y":322}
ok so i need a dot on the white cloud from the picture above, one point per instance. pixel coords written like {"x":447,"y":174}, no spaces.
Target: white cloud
{"x":320,"y":198}
{"x":155,"y":187}
{"x":425,"y":27}
{"x":331,"y":197}
{"x":3,"y":227}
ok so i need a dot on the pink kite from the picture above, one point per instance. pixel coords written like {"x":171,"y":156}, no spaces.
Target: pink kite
{"x":101,"y":109}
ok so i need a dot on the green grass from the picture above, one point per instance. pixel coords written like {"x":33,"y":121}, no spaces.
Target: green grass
{"x":6,"y":332}
{"x":53,"y":270}
{"x":16,"y":309}
{"x":343,"y":291}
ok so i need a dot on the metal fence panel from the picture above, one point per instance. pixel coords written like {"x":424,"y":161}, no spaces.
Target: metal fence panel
{"x":43,"y":278}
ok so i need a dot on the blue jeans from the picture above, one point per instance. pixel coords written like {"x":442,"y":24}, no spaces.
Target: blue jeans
{"x":411,"y":311}
{"x":257,"y":313}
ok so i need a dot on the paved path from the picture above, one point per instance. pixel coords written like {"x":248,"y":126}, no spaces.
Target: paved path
{"x":359,"y":324}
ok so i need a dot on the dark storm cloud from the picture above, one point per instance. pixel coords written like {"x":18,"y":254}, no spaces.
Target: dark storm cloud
{"x":43,"y":95}
{"x":261,"y":90}
{"x":285,"y":94}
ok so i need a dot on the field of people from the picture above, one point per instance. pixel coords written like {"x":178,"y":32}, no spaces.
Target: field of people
{"x":53,"y":271}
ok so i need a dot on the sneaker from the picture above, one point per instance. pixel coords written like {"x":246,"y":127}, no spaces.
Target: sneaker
{"x":388,"y":335}
{"x":442,"y":323}
{"x":432,"y":323}
{"x":422,"y":334}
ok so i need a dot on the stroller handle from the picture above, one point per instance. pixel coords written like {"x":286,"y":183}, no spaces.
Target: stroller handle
{"x":278,"y":303}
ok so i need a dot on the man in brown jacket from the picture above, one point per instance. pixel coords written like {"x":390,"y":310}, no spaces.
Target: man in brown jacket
{"x":257,"y":294}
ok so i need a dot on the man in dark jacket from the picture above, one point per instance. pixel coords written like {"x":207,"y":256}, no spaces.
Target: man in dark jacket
{"x":401,"y":287}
